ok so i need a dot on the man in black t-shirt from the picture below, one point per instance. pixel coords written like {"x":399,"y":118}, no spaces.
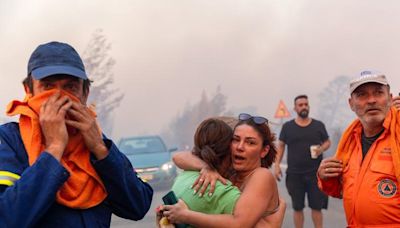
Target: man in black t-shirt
{"x":300,"y":134}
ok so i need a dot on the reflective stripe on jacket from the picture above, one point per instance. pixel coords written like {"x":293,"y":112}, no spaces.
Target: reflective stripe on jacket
{"x":27,"y":193}
{"x":8,"y":178}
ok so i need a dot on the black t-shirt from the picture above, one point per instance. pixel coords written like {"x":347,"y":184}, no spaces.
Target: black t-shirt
{"x":298,"y":140}
{"x":366,"y":142}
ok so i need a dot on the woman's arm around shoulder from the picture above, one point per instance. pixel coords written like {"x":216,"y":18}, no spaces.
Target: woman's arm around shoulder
{"x":187,"y":161}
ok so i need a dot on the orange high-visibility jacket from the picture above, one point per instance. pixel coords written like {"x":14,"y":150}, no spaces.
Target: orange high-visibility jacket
{"x":369,"y":188}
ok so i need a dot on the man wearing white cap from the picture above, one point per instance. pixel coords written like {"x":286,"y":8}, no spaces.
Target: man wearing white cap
{"x":365,"y":171}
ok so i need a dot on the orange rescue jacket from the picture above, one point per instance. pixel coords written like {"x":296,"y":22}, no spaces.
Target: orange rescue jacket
{"x":369,"y":188}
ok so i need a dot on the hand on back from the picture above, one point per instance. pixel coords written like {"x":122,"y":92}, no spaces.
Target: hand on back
{"x":207,"y":177}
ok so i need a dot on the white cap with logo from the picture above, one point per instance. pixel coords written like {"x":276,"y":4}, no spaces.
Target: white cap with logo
{"x":366,"y":77}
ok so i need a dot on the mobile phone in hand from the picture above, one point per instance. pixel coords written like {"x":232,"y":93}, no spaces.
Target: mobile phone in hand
{"x":171,"y":199}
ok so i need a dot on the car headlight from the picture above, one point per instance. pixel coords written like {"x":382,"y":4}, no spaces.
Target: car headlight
{"x":167,"y":166}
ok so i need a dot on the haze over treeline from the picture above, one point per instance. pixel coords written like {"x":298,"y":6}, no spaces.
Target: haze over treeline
{"x":169,"y":54}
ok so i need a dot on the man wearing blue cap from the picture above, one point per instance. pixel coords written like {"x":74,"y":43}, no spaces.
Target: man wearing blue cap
{"x":57,"y":169}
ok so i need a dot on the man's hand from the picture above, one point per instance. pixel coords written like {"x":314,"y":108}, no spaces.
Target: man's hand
{"x":330,"y":167}
{"x":280,"y":150}
{"x":278,"y":171}
{"x":87,"y":125}
{"x":396,"y":102}
{"x":52,"y":122}
{"x":319,"y":150}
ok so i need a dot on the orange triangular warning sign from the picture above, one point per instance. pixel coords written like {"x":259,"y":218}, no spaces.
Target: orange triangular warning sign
{"x":282,"y":111}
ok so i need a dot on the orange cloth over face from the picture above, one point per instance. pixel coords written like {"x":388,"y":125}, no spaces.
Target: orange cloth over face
{"x":348,"y":143}
{"x":84,"y":188}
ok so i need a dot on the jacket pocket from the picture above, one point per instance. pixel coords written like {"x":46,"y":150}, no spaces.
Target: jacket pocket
{"x":382,"y":183}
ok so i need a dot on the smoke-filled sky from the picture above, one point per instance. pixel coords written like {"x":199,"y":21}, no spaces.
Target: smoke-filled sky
{"x":168,"y":52}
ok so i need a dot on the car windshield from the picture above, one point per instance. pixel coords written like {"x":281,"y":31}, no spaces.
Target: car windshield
{"x":142,"y":145}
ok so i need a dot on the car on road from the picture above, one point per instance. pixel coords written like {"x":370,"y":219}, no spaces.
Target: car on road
{"x":151,"y":159}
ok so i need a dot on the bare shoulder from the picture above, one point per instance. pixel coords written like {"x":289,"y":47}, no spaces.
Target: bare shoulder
{"x":263,"y":176}
{"x":261,"y":187}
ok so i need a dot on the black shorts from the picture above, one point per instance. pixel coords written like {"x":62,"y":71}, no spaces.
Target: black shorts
{"x":300,"y":184}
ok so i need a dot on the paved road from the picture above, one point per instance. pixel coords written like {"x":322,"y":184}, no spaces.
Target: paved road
{"x":147,"y":221}
{"x":333,"y":217}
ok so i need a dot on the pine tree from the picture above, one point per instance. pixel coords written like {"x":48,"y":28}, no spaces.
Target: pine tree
{"x":334,"y":110}
{"x":182,"y":128}
{"x":99,"y":66}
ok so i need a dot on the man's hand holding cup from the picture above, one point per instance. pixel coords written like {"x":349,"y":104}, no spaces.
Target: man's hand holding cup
{"x":315,"y":151}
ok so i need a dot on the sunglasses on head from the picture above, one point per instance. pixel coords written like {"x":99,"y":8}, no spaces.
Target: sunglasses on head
{"x":256,"y":119}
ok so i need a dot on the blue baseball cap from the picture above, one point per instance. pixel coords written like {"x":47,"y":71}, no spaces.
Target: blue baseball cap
{"x":55,"y":58}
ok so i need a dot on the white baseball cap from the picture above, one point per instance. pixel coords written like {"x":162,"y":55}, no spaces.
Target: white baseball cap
{"x":366,"y":77}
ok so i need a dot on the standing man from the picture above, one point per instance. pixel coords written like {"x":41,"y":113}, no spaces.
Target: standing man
{"x":365,"y":171}
{"x":56,"y":167}
{"x":300,"y":134}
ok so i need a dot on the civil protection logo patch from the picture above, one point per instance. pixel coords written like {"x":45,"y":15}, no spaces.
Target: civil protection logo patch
{"x":387,"y":188}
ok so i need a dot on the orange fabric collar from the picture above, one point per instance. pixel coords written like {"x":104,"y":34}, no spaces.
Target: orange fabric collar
{"x":347,"y":143}
{"x":84,"y":188}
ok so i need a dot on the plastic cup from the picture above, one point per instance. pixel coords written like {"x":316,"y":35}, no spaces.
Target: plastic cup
{"x":313,"y":151}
